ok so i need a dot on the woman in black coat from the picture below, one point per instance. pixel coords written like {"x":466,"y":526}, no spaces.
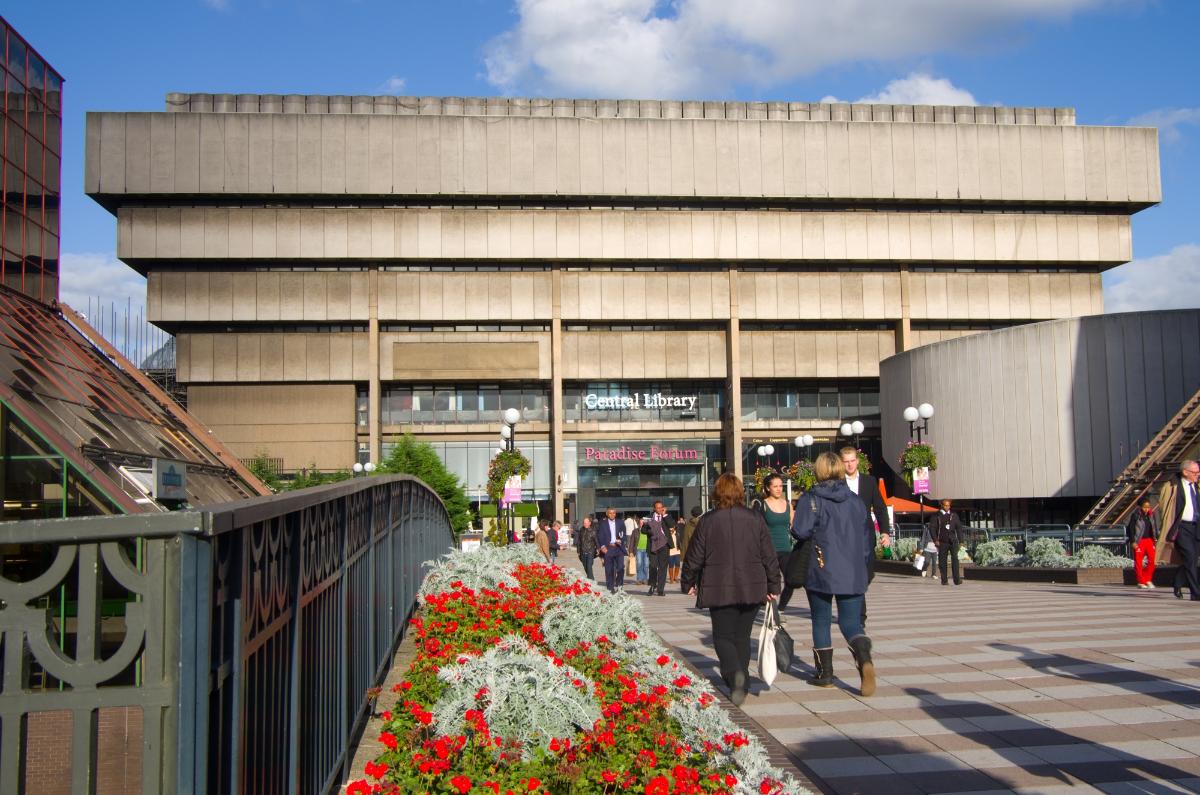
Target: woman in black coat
{"x":732,"y":569}
{"x":843,"y":544}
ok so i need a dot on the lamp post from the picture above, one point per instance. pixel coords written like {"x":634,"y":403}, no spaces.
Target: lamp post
{"x":855,"y":428}
{"x":917,"y":418}
{"x":804,"y":442}
{"x":361,"y":469}
{"x":508,"y":441}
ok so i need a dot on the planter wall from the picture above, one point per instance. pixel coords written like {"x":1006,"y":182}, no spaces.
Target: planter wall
{"x":1163,"y":575}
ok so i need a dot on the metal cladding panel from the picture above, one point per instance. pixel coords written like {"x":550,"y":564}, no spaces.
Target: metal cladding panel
{"x":1053,"y":409}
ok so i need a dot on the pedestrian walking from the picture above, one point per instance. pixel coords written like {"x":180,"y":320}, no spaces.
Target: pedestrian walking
{"x":1142,"y":533}
{"x":585,"y":542}
{"x":542,"y":540}
{"x":777,"y":513}
{"x":731,"y":568}
{"x":554,"y":542}
{"x":946,"y":531}
{"x":655,"y":533}
{"x":674,"y":552}
{"x":639,"y":546}
{"x":1180,"y":513}
{"x":843,"y":541}
{"x":611,"y":537}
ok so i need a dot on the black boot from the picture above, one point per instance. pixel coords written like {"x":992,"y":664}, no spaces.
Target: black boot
{"x":860,"y":647}
{"x":823,"y":659}
{"x":737,"y":691}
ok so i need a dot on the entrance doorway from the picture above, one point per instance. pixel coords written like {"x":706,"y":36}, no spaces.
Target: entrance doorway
{"x":638,"y":503}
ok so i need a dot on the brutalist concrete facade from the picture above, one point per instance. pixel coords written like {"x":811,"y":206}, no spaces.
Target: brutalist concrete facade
{"x":333,"y":264}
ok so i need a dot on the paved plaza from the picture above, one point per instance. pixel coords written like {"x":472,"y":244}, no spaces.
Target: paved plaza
{"x":986,"y":687}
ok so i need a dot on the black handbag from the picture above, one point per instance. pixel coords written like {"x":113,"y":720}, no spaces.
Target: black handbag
{"x":785,"y":648}
{"x":797,"y":565}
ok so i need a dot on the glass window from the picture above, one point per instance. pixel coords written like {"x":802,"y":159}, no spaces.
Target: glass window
{"x":806,"y":405}
{"x":422,"y":404}
{"x":828,"y":405}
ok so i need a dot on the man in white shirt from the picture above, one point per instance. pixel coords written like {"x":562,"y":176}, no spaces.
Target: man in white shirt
{"x":1180,"y":505}
{"x":610,"y":535}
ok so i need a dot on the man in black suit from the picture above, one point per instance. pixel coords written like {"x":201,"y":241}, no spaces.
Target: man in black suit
{"x":610,"y":535}
{"x":947,"y":532}
{"x":1179,"y":502}
{"x":867,"y":489}
{"x":656,"y":526}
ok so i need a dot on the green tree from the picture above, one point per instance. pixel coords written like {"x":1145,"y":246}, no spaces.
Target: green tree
{"x":262,"y":468}
{"x":311,"y":476}
{"x":410,"y":457}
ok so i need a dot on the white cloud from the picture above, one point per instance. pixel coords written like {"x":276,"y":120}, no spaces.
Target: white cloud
{"x":918,"y":88}
{"x":649,"y":48}
{"x":1169,"y":281}
{"x":1167,"y":120}
{"x":393,"y":85}
{"x":101,"y":279}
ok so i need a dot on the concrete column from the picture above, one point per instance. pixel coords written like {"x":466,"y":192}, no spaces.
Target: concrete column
{"x":556,"y":391}
{"x":733,"y":369}
{"x":904,"y":324}
{"x":374,"y":392}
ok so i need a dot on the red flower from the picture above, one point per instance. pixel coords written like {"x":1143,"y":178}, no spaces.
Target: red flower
{"x":461,"y":783}
{"x":375,"y":770}
{"x":609,"y":776}
{"x":388,"y":739}
{"x":682,"y":681}
{"x":631,"y":634}
{"x":659,"y":785}
{"x":663,"y":659}
{"x":360,"y":787}
{"x":730,"y":780}
{"x":533,"y":784}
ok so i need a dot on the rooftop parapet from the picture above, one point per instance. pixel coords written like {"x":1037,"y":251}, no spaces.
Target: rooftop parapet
{"x":612,"y":108}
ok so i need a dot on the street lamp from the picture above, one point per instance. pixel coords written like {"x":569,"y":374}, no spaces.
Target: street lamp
{"x":855,"y":428}
{"x":917,"y":418}
{"x":806,"y":440}
{"x":360,"y":469}
{"x":508,"y":441}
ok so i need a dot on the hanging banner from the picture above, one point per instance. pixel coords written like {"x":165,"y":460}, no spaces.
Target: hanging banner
{"x":920,"y":480}
{"x":512,"y":491}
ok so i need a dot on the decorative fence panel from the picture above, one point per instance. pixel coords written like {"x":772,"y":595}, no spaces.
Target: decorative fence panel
{"x":242,"y":642}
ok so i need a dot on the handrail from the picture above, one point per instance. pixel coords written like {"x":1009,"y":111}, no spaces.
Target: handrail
{"x":256,"y":629}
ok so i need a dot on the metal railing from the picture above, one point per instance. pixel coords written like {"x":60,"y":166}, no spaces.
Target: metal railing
{"x":256,"y":629}
{"x":1073,"y":537}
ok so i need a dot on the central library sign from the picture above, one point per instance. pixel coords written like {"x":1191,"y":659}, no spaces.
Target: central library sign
{"x":639,"y":400}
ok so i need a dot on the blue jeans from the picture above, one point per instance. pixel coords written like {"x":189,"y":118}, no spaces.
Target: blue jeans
{"x":643,"y":566}
{"x":850,"y":607}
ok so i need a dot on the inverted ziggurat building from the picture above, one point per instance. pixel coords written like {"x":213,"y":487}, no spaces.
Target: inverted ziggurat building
{"x":660,"y":287}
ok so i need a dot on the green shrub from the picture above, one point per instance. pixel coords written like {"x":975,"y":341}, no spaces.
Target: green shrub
{"x":904,"y":548}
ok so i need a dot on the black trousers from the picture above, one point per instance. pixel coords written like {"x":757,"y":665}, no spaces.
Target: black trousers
{"x":658,"y":570}
{"x":587,"y":557}
{"x":953,"y":555}
{"x":786,"y":595}
{"x":1188,"y":544}
{"x":731,"y":629}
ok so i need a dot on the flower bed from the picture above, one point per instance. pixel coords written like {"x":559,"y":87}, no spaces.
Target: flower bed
{"x":527,"y":680}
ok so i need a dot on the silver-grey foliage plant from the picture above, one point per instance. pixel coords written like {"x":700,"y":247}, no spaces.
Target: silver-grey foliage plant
{"x":484,"y":567}
{"x":528,"y":700}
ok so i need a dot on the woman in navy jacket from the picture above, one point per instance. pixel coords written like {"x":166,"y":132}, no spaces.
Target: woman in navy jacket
{"x":843,"y":543}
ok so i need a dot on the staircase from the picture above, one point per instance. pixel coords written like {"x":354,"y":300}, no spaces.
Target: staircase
{"x":1158,"y":460}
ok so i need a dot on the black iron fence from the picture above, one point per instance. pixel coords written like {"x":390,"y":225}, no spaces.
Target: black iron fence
{"x":245,"y":643}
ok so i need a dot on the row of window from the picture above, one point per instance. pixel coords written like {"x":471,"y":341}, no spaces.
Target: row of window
{"x":612,"y":401}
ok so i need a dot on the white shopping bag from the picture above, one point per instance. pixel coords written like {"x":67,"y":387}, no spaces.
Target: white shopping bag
{"x":919,"y":562}
{"x":767,"y":667}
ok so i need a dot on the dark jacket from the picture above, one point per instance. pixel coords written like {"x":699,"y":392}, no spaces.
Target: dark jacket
{"x":1142,"y":526}
{"x":730,"y":559}
{"x":585,"y":537}
{"x":945,"y":529}
{"x":656,"y":535}
{"x":872,"y":498}
{"x":843,"y":538}
{"x":603,"y":534}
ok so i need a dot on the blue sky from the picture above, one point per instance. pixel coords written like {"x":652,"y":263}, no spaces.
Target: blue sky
{"x":1115,"y":61}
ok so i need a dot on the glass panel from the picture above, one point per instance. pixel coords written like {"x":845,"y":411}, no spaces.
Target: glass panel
{"x":828,"y":405}
{"x":788,"y":409}
{"x":870,"y":402}
{"x":806,"y":405}
{"x":422,"y":404}
{"x":445,"y":404}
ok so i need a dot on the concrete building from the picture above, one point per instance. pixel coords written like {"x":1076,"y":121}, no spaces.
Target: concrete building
{"x":659,"y":286}
{"x":1033,"y":423}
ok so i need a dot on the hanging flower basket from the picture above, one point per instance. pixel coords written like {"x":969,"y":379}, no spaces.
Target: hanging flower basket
{"x":506,"y":464}
{"x":802,"y":475}
{"x":916,"y":455}
{"x":864,"y":463}
{"x":760,"y":479}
